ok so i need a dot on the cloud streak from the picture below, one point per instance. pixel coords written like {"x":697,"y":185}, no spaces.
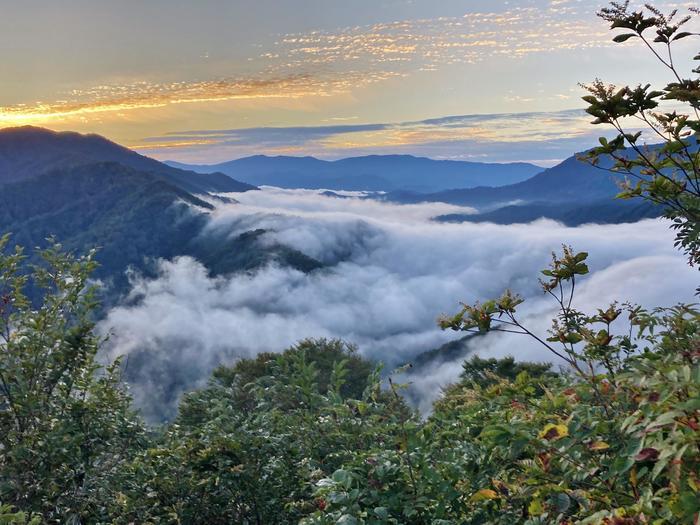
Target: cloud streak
{"x":146,"y":95}
{"x":390,"y":272}
{"x":545,"y":137}
{"x":427,"y":44}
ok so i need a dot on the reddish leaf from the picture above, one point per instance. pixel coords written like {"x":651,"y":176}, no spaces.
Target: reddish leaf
{"x":647,"y":454}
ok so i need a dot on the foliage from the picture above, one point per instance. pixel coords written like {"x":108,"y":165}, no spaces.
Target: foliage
{"x":486,"y":372}
{"x":668,"y":173}
{"x":9,"y":517}
{"x":250,"y":447}
{"x":67,"y":425}
{"x":328,"y":364}
{"x":615,"y":440}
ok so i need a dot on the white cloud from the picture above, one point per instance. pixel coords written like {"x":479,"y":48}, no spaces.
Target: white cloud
{"x":390,"y":273}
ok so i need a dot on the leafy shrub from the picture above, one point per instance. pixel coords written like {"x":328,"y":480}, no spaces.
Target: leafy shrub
{"x":251,"y":446}
{"x":615,"y":439}
{"x":667,"y":173}
{"x":67,"y":425}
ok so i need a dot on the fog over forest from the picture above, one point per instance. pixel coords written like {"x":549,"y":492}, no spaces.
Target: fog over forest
{"x":389,"y":273}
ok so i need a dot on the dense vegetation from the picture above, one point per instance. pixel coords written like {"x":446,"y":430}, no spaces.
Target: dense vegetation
{"x":315,"y":435}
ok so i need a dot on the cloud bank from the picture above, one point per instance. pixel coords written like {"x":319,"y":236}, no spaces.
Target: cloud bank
{"x":390,"y":272}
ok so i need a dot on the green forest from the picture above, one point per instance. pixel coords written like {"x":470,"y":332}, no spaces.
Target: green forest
{"x":316,"y":434}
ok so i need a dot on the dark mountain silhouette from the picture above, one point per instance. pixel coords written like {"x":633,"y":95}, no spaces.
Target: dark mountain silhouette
{"x":369,"y":173}
{"x":133,"y":217}
{"x":606,"y":211}
{"x":28,"y":151}
{"x":570,"y":181}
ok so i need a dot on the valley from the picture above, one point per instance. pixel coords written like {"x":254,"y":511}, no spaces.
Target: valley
{"x":182,"y":247}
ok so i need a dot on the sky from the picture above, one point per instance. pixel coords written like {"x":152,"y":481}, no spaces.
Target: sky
{"x":212,"y":80}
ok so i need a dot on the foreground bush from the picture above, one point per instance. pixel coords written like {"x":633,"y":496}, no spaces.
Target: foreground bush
{"x":615,"y":439}
{"x":251,"y":447}
{"x":67,"y":426}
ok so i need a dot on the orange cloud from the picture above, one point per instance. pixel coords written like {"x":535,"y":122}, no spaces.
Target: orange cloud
{"x":428,"y":43}
{"x":144,"y":95}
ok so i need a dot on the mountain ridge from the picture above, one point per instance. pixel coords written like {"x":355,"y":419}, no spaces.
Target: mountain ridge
{"x":368,"y":172}
{"x":30,"y":151}
{"x":605,"y":211}
{"x":572,"y":180}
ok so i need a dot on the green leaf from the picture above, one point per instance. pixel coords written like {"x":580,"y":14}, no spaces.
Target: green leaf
{"x":535,"y":508}
{"x":621,"y":465}
{"x":682,"y":35}
{"x":484,"y":494}
{"x":623,"y":38}
{"x":343,"y":477}
{"x":562,"y":502}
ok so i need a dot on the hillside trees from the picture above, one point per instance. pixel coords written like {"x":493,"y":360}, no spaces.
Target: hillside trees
{"x":67,"y":424}
{"x":250,"y":447}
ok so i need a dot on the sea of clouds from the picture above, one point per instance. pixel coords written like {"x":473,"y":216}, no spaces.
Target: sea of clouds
{"x":390,"y":272}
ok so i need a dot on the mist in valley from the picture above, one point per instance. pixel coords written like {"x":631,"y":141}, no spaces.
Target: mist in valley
{"x":388,"y":272}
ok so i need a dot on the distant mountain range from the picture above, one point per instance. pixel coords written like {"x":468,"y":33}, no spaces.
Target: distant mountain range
{"x":89,"y":191}
{"x":572,"y":192}
{"x":370,"y":173}
{"x":570,"y":181}
{"x":606,"y":211}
